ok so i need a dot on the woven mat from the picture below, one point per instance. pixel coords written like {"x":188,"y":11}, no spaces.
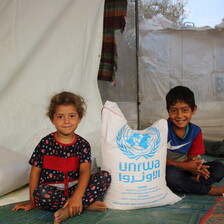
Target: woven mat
{"x":216,"y":214}
{"x":190,"y":210}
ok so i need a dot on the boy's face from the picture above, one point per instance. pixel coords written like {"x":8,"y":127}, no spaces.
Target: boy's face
{"x":180,"y":114}
{"x":66,"y":119}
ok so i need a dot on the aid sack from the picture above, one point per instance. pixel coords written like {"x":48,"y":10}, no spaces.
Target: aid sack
{"x":136,"y":160}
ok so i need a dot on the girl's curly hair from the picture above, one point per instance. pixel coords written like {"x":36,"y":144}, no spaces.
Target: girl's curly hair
{"x":67,"y":98}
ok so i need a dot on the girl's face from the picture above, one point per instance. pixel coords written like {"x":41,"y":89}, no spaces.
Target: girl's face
{"x":66,"y":120}
{"x":180,"y":114}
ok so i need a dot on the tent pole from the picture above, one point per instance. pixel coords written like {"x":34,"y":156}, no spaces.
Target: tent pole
{"x":137,"y":64}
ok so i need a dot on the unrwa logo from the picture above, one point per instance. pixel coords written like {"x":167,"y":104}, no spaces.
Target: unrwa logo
{"x":135,"y":144}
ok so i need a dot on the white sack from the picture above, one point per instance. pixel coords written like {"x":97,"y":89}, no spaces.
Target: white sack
{"x":136,"y":161}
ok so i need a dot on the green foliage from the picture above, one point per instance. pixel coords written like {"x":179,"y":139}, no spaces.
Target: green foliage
{"x":173,"y":10}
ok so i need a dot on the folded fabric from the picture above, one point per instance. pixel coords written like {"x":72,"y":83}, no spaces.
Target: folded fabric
{"x":114,"y":19}
{"x":14,"y":170}
{"x":214,"y":148}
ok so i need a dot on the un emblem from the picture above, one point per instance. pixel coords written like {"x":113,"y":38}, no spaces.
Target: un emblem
{"x":135,"y":144}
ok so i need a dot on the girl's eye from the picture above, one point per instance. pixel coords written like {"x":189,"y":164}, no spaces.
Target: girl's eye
{"x":72,"y":115}
{"x":59,"y":116}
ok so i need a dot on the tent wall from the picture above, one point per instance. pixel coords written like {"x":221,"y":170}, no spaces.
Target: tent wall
{"x":193,"y":58}
{"x":47,"y":47}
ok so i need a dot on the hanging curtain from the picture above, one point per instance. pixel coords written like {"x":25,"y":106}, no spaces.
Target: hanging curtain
{"x":114,"y":19}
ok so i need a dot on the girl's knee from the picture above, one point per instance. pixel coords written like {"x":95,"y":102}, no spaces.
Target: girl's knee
{"x":39,"y":191}
{"x":102,"y":177}
{"x":105,"y":176}
{"x":38,"y":195}
{"x":48,"y":197}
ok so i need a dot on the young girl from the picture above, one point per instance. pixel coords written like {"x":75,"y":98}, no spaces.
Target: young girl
{"x":60,"y":177}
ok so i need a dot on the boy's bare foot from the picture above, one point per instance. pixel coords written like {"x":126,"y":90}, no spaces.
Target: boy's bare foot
{"x":97,"y":206}
{"x":61,"y":215}
{"x":215,"y":190}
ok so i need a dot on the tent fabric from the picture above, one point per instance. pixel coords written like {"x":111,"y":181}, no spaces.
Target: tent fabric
{"x":48,"y":47}
{"x":193,"y":58}
{"x":114,"y":19}
{"x":168,"y":57}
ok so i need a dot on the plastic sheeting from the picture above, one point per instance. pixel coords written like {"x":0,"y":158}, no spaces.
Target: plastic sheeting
{"x":47,"y":47}
{"x":193,"y":58}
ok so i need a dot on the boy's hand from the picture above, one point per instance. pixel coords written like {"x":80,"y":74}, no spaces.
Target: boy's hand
{"x":75,"y":206}
{"x":202,"y":170}
{"x":25,"y":206}
{"x":192,"y":165}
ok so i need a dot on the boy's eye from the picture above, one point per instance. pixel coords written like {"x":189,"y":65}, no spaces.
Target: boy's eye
{"x":173,"y":111}
{"x":185,"y":110}
{"x":72,"y":115}
{"x":59,"y":116}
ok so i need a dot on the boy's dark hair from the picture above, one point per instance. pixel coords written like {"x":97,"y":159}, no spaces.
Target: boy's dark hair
{"x":180,"y":94}
{"x":67,"y":98}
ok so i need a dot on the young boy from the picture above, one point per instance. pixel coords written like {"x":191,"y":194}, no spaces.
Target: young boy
{"x":185,"y":171}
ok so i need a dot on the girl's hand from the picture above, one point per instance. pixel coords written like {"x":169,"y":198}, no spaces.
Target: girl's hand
{"x":25,"y":206}
{"x":75,"y":206}
{"x":75,"y":202}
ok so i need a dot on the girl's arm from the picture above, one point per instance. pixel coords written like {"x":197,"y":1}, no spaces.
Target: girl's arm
{"x":34,"y":180}
{"x":75,"y":202}
{"x":33,"y":183}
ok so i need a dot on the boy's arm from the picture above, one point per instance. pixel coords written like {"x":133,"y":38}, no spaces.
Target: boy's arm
{"x":190,"y":166}
{"x":195,"y":166}
{"x":75,"y":202}
{"x":33,"y":183}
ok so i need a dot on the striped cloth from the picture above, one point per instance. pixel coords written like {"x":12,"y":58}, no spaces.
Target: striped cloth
{"x":114,"y":13}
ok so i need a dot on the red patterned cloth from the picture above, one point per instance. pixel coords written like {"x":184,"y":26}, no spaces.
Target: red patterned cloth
{"x":114,"y":19}
{"x":216,"y":214}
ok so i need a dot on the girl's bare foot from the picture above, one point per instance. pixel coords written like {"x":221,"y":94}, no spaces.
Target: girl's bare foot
{"x":61,"y":215}
{"x":97,"y":206}
{"x":215,"y":190}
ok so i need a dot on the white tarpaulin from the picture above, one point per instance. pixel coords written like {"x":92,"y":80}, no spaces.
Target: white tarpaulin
{"x":47,"y":46}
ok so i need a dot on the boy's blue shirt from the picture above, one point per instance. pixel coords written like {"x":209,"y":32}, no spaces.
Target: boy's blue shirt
{"x":191,"y":145}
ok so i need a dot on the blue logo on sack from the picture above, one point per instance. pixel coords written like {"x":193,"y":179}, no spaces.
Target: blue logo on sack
{"x":136,"y":144}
